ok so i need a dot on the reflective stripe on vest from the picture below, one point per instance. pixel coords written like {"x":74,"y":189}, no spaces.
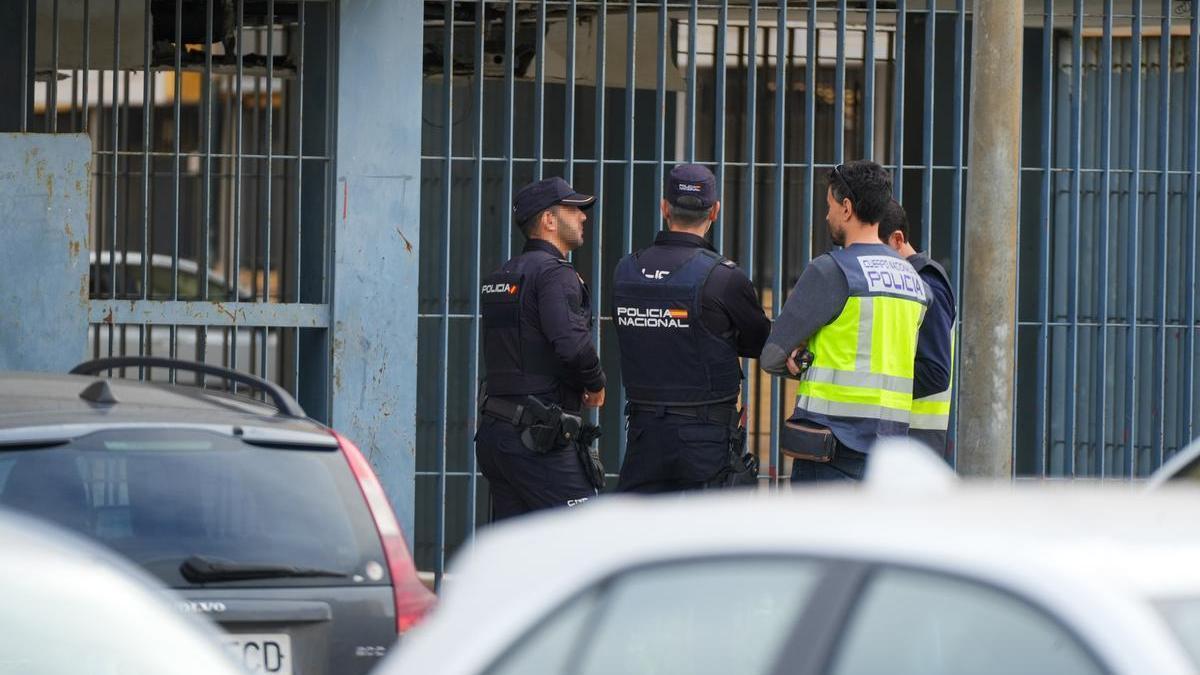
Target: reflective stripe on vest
{"x":829,"y":408}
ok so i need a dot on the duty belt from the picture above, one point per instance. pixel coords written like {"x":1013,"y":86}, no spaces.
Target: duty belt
{"x":717,"y":413}
{"x":517,"y":414}
{"x":543,"y":427}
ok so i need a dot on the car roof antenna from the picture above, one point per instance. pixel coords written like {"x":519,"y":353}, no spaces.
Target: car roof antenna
{"x":99,"y":392}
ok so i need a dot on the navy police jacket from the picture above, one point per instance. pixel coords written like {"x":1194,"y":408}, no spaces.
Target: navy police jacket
{"x":537,"y":329}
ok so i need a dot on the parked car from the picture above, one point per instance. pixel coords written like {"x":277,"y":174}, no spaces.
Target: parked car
{"x":266,"y":521}
{"x":71,"y":607}
{"x":954,"y":579}
{"x":128,"y":267}
{"x":128,"y":283}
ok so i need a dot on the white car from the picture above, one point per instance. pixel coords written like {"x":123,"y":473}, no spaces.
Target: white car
{"x":1182,"y":469}
{"x":127,"y":340}
{"x":71,"y":607}
{"x":956,"y":579}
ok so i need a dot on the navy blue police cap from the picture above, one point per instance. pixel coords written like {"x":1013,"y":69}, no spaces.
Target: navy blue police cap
{"x":541,"y":195}
{"x":691,"y":186}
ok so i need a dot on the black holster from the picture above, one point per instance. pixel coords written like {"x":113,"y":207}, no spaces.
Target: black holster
{"x":742,"y":470}
{"x":593,"y":468}
{"x":589,"y":456}
{"x":546,"y":428}
{"x":800,"y":440}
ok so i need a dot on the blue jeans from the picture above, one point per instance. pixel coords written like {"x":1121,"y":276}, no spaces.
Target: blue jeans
{"x":847,"y":465}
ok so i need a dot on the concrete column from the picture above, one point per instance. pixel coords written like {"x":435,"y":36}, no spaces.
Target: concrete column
{"x":376,"y":238}
{"x":45,"y":187}
{"x":985,"y":399}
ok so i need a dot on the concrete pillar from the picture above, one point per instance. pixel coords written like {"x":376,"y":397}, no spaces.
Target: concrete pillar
{"x":376,"y":239}
{"x":985,"y":399}
{"x":45,"y":188}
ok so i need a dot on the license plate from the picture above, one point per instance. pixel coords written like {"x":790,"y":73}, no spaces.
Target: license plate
{"x":262,"y":652}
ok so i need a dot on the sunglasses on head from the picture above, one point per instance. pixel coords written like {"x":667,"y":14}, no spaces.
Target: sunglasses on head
{"x":837,"y":171}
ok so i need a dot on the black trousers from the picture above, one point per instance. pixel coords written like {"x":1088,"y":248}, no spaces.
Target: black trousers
{"x":522,"y":480}
{"x":672,"y":453}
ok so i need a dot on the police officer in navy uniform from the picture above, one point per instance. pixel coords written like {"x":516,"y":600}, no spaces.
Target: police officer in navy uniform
{"x":541,"y":366}
{"x":684,"y":315}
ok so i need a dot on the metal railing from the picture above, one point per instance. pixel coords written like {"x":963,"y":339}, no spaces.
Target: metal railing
{"x":211,"y":124}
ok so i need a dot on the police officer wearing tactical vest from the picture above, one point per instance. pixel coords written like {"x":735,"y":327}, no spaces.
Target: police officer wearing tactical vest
{"x":541,"y":366}
{"x":935,"y":343}
{"x":848,"y":331}
{"x":683,"y":316}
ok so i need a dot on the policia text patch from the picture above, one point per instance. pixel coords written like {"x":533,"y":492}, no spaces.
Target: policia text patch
{"x":893,"y":276}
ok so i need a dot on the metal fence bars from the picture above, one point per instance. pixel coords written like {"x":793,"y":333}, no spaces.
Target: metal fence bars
{"x":212,"y":127}
{"x":770,"y":95}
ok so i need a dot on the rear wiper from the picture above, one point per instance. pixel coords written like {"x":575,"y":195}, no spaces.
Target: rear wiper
{"x":32,"y":444}
{"x":199,"y":569}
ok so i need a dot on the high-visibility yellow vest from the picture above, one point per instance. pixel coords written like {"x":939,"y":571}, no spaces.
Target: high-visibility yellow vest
{"x":862,"y":369}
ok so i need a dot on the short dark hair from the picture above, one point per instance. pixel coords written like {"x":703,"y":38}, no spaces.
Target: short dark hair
{"x":527,"y":227}
{"x":686,"y":217}
{"x":894,"y":219}
{"x":866,"y":184}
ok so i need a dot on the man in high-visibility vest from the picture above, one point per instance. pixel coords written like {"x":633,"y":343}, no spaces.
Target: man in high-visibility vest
{"x":933,"y":370}
{"x":853,"y":319}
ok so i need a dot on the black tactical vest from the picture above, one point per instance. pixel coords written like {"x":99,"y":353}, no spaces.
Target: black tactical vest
{"x":667,"y":355}
{"x":518,"y":359}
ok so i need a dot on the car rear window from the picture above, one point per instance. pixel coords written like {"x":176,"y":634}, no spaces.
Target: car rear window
{"x":160,"y":497}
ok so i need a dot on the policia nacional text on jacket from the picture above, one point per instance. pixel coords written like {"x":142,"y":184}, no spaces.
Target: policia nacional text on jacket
{"x":539,"y":360}
{"x":858,"y":311}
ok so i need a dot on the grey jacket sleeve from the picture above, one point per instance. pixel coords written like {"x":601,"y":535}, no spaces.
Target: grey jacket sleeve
{"x":819,"y":296}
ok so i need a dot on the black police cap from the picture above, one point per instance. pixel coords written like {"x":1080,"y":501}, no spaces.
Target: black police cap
{"x":541,"y":195}
{"x":691,"y":186}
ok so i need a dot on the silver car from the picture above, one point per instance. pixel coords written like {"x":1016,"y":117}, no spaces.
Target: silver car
{"x":70,"y":607}
{"x":888,"y":577}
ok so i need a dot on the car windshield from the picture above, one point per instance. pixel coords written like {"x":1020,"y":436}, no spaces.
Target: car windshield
{"x":240,"y":513}
{"x":1183,"y":615}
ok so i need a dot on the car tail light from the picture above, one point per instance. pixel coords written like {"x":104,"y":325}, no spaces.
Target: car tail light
{"x":413,"y":600}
